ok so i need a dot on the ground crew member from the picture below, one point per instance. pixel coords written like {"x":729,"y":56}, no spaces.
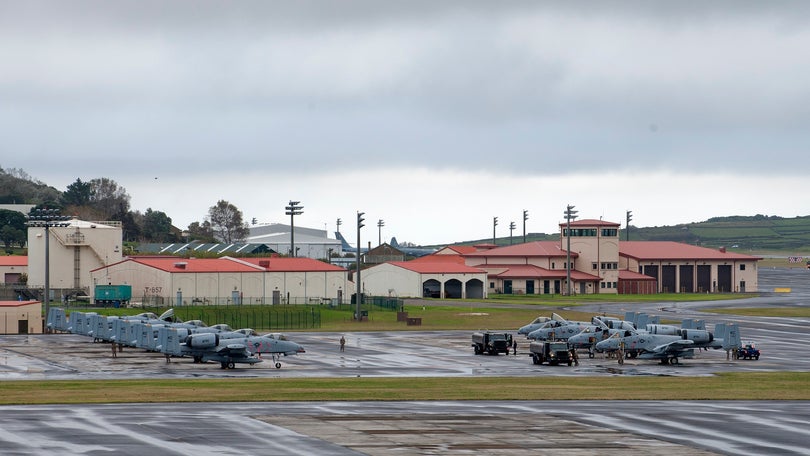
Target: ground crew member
{"x":574,"y":356}
{"x":514,"y":347}
{"x":342,"y":343}
{"x":114,"y":351}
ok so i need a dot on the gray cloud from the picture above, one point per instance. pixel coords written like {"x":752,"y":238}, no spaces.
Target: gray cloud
{"x":517,"y":87}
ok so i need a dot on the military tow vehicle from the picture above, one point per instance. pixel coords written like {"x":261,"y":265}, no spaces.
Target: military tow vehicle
{"x":749,"y":351}
{"x":491,"y":343}
{"x":553,"y":353}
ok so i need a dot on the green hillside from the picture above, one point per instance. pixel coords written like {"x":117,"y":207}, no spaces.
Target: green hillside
{"x":757,"y":233}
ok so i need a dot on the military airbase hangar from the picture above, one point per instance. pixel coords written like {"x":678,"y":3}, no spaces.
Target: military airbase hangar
{"x":85,"y":254}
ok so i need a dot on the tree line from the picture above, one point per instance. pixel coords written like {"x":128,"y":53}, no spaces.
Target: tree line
{"x":103,"y":199}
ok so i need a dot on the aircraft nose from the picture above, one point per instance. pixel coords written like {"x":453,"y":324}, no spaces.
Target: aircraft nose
{"x":300,"y":349}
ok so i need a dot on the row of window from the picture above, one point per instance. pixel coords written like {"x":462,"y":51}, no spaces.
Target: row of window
{"x":607,"y":284}
{"x":591,"y":232}
{"x":607,"y":265}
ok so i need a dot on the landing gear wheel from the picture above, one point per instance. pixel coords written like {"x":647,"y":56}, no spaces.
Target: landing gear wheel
{"x":224,"y":366}
{"x":590,"y":355}
{"x":231,"y":365}
{"x":278,"y":365}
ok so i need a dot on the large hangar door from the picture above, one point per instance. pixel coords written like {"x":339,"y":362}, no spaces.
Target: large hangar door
{"x":474,"y":289}
{"x":704,"y":278}
{"x":668,"y":283}
{"x":687,"y":278}
{"x":723,"y":278}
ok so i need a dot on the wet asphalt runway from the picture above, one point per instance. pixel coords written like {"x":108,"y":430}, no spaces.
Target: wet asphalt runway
{"x":514,"y":428}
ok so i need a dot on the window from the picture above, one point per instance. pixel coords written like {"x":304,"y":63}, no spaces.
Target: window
{"x":593,"y":265}
{"x":491,"y":284}
{"x":602,"y":285}
{"x":610,"y":232}
{"x":552,"y":265}
{"x":742,"y":267}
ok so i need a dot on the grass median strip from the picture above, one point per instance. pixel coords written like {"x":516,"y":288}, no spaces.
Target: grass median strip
{"x":726,"y":386}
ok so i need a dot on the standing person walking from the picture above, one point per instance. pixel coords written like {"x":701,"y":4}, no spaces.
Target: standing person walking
{"x":342,"y":343}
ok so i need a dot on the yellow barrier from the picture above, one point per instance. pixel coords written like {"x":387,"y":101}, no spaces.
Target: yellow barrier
{"x":781,"y":290}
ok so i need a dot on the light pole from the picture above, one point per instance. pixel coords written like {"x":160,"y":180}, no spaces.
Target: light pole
{"x":570,"y":213}
{"x":47,"y":218}
{"x":380,"y":224}
{"x":511,"y":229}
{"x":293,"y":209}
{"x":358,"y":296}
{"x":494,"y":224}
{"x":338,"y":223}
{"x":525,"y":217}
{"x":627,"y":226}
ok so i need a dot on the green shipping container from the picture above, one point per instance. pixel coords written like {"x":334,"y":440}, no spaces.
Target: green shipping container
{"x":113,"y":294}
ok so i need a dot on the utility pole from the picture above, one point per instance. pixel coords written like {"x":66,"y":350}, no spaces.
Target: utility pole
{"x":494,"y":224}
{"x":525,"y":217}
{"x":570,"y":213}
{"x":47,"y":218}
{"x":380,"y":224}
{"x":293,"y":209}
{"x":627,"y":226}
{"x":511,"y":229}
{"x":359,"y":295}
{"x":338,"y":223}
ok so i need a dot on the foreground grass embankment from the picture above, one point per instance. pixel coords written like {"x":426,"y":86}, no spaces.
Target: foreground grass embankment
{"x":727,"y":386}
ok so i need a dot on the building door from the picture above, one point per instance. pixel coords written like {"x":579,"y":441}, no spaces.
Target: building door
{"x":507,"y":287}
{"x":704,"y":278}
{"x":742,"y":286}
{"x":22,"y":327}
{"x":724,"y":278}
{"x":557,"y":287}
{"x":530,"y":287}
{"x":581,"y":287}
{"x":546,"y":287}
{"x":276,"y":297}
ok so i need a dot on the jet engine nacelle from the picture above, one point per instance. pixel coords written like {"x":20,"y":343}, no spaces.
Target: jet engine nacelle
{"x":698,"y":336}
{"x":667,"y":330}
{"x":202,"y":340}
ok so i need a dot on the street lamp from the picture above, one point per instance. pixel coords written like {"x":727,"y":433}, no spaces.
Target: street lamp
{"x":494,"y":224}
{"x":47,"y":218}
{"x":338,"y":223}
{"x":570,"y":213}
{"x":511,"y":229}
{"x":380,"y":224}
{"x":293,"y":209}
{"x":359,"y":298}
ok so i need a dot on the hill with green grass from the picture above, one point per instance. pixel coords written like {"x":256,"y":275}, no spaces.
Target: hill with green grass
{"x":756,"y":233}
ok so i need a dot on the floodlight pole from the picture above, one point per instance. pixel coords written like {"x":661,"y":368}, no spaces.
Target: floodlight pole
{"x":494,"y":224}
{"x":627,"y":226}
{"x":380,"y":224}
{"x":47,"y":218}
{"x":359,"y":295}
{"x":293,"y":209}
{"x":570,"y":213}
{"x":525,"y":217}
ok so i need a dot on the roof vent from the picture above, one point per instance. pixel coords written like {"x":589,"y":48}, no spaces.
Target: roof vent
{"x":723,"y":249}
{"x":181,"y":265}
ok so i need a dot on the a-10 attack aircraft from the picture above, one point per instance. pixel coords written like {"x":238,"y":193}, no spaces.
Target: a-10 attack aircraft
{"x":174,"y":338}
{"x":669,"y":348}
{"x":204,"y":347}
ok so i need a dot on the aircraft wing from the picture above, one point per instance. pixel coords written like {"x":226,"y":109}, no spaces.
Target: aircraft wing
{"x":672,"y":348}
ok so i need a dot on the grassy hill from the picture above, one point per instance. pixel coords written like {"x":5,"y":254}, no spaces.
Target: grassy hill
{"x":757,"y":233}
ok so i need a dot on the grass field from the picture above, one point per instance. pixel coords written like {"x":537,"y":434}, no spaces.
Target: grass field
{"x":727,"y":386}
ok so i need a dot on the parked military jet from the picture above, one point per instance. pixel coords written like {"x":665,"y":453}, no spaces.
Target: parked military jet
{"x":669,"y":348}
{"x":204,"y":347}
{"x":537,"y":323}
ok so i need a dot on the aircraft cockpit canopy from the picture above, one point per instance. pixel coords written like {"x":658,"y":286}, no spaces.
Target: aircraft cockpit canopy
{"x":198,"y":323}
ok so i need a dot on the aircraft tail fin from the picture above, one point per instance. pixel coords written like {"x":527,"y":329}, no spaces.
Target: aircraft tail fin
{"x":394,"y":243}
{"x":169,"y":340}
{"x":730,"y":334}
{"x":343,"y":243}
{"x":689,"y":323}
{"x":57,"y":319}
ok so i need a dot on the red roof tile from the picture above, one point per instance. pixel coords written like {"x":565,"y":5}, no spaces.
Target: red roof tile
{"x":529,"y":249}
{"x":667,"y":250}
{"x":17,"y":303}
{"x":291,"y":264}
{"x":590,"y":222}
{"x":427,"y":267}
{"x":13,"y":260}
{"x":458,"y":259}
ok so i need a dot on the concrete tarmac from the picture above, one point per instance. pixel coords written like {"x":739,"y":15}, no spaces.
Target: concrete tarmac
{"x":389,"y":428}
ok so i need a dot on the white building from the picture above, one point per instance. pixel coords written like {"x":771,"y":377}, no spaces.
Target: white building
{"x":74,"y":251}
{"x":178,"y":281}
{"x":309,"y":242}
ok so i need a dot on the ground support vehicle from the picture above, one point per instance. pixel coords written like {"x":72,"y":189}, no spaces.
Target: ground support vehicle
{"x":553,"y":353}
{"x":491,"y":343}
{"x":748,"y":351}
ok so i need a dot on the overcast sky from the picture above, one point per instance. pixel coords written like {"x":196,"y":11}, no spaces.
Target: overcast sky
{"x":434,"y":116}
